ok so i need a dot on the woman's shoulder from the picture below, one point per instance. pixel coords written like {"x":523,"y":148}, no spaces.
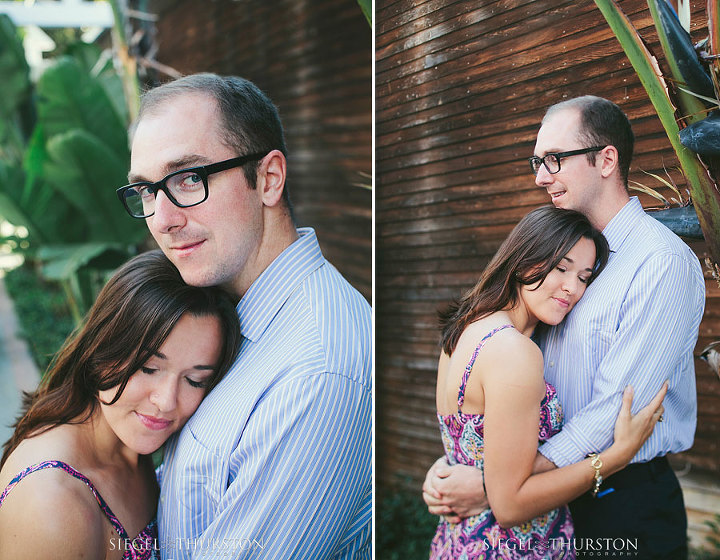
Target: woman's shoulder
{"x":500,"y":340}
{"x":49,"y":513}
{"x":507,"y":356}
{"x":54,"y":444}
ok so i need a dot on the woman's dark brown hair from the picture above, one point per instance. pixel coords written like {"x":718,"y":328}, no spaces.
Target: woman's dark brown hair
{"x":534,"y":247}
{"x":131,"y":318}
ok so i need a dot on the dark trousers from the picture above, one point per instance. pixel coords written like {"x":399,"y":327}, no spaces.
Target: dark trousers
{"x":645,"y":509}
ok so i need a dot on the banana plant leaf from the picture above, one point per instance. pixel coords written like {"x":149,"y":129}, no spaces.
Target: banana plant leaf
{"x":62,"y":261}
{"x":69,"y":98}
{"x":13,"y":68}
{"x":86,"y":172}
{"x":54,"y":219}
{"x":682,"y":59}
{"x":703,"y":190}
{"x":683,"y":221}
{"x":82,"y":269}
{"x":10,"y":208}
{"x":46,"y":217}
{"x":99,"y":64}
{"x":366,"y":7}
{"x":703,"y":137}
{"x":16,"y":88}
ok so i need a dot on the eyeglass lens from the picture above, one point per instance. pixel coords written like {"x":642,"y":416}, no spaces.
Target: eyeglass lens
{"x":551,"y":161}
{"x":185,"y":188}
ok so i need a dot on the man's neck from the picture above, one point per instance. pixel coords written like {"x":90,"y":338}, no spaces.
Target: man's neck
{"x":277,"y":236}
{"x":610,"y":206}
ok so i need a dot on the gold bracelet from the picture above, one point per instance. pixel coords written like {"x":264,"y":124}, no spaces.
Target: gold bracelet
{"x":596,"y":463}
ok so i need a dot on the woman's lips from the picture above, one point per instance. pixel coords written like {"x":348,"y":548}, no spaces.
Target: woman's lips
{"x":562,"y":302}
{"x":154,"y":423}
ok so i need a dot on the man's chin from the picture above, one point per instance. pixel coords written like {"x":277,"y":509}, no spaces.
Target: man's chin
{"x":559,"y":201}
{"x":198,"y":278}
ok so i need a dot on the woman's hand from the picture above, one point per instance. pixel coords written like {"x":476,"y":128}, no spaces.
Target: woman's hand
{"x":631,"y":432}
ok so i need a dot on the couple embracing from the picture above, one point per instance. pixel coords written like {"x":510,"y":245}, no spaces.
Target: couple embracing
{"x":566,"y":374}
{"x":237,"y":343}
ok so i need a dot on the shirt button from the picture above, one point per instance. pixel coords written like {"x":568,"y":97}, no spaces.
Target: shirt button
{"x":552,"y":364}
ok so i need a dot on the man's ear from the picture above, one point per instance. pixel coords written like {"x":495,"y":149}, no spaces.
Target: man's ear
{"x":608,"y":160}
{"x":271,"y":178}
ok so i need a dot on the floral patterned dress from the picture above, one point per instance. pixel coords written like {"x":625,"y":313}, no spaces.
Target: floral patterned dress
{"x":480,"y":537}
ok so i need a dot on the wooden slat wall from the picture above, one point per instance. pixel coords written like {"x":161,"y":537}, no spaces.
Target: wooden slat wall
{"x":314,"y":60}
{"x":461,"y":87}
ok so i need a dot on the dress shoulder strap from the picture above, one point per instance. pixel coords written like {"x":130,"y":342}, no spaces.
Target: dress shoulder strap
{"x":114,"y":521}
{"x":468,"y":368}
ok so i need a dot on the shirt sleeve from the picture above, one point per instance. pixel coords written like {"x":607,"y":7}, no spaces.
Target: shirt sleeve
{"x":657,"y":330}
{"x":300,"y":478}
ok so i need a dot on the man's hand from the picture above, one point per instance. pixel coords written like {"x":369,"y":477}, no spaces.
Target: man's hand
{"x":454,"y":492}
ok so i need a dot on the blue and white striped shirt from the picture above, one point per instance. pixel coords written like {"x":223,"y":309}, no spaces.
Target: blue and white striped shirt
{"x":637,"y":324}
{"x":276,"y":462}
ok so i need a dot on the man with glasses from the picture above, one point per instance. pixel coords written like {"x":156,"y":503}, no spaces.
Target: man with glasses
{"x":637,"y":324}
{"x":275,"y":463}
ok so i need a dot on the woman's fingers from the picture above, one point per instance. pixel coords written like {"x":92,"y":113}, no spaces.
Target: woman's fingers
{"x":627,"y":400}
{"x":655,"y":408}
{"x":656,"y":403}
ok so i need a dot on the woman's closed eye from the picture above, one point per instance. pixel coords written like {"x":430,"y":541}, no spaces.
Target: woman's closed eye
{"x":197,"y":384}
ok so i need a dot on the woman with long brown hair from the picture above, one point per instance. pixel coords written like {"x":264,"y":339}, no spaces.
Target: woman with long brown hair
{"x":77,"y":478}
{"x":494,"y":405}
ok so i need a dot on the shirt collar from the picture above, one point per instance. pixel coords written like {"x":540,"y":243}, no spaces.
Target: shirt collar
{"x":623,"y":223}
{"x":277,"y":282}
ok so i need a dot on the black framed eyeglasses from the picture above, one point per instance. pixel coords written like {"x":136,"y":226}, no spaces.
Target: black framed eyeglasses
{"x":185,"y":188}
{"x":551,"y":160}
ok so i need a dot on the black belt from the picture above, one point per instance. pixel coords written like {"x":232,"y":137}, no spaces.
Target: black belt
{"x":636,"y":473}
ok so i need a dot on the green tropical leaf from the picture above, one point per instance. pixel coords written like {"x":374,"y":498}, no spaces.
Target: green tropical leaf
{"x":61,"y":262}
{"x":16,"y":114}
{"x":113,"y":86}
{"x":46,"y":217}
{"x":680,"y":55}
{"x":82,"y":269}
{"x":702,"y":189}
{"x":86,"y":172}
{"x":366,"y":7}
{"x":69,"y":98}
{"x":10,"y":208}
{"x":56,"y":219}
{"x":86,"y":54}
{"x":13,"y":68}
{"x":98,"y":64}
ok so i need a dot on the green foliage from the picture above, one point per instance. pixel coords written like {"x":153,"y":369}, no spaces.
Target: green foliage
{"x":15,"y":89}
{"x":84,"y":170}
{"x":403,"y":526}
{"x":42,"y":312}
{"x":714,"y":537}
{"x":69,"y":98}
{"x":366,"y":7}
{"x":58,"y":181}
{"x":81,"y":269}
{"x":702,"y":180}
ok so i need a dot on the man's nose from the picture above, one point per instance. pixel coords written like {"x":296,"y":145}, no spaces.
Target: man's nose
{"x":543,"y":177}
{"x":167,"y":216}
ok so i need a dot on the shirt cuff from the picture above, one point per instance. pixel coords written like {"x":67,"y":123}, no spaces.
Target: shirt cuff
{"x":560,"y":455}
